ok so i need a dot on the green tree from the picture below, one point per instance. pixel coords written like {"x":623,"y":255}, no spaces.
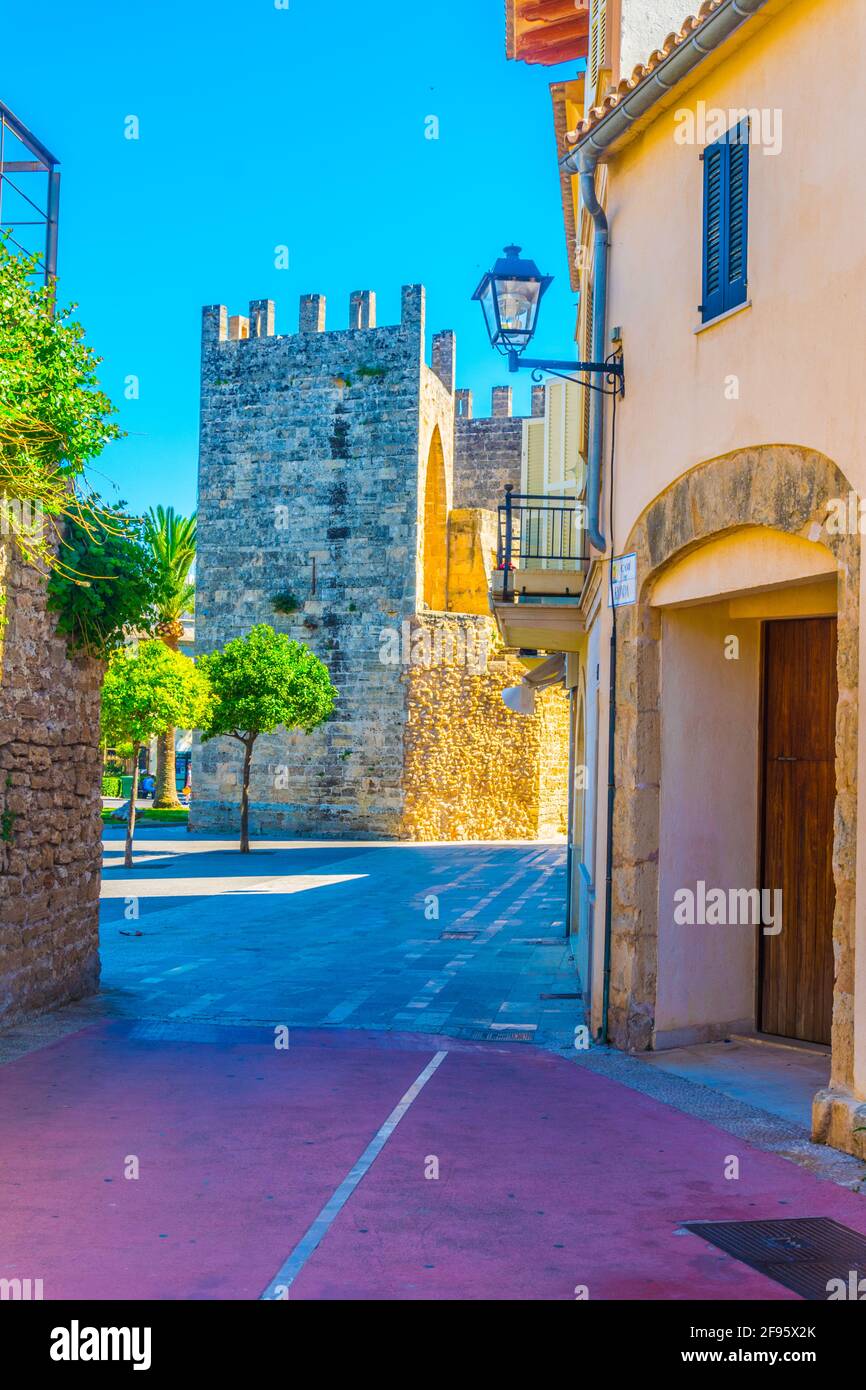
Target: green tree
{"x":171,"y":538}
{"x":144,"y":692}
{"x":108,"y":587}
{"x":53,"y":418}
{"x":261,"y":682}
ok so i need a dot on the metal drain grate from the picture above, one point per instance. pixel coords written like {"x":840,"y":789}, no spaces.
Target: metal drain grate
{"x":803,"y":1255}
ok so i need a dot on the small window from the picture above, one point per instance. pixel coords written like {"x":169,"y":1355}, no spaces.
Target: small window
{"x":726,"y":222}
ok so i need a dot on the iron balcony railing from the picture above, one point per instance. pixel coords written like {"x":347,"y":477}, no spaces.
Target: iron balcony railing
{"x":540,"y":531}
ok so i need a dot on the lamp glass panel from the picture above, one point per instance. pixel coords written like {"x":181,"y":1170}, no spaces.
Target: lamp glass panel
{"x":518,"y":305}
{"x":488,"y":304}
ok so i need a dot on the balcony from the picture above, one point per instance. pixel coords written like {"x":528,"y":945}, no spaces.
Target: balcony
{"x":542,"y":558}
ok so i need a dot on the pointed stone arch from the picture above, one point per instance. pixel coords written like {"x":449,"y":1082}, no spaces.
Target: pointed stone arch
{"x":434,"y":541}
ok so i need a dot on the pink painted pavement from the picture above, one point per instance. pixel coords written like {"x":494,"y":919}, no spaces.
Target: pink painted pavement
{"x":550,"y":1176}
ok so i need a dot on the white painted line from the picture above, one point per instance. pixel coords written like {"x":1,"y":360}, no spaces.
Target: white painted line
{"x":288,"y":1273}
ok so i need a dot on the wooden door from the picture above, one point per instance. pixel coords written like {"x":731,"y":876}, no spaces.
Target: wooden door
{"x":799,"y":791}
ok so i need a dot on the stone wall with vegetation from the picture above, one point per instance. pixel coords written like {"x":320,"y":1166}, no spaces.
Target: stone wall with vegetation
{"x":50,"y":825}
{"x":474,"y":770}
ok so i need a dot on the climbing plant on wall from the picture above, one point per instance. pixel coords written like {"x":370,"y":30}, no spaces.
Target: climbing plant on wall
{"x":53,"y":417}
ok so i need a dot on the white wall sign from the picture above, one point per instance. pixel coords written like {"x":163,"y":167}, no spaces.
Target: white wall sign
{"x":623,"y":581}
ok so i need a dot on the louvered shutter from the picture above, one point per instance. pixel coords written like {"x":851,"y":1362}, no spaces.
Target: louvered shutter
{"x":726,"y":223}
{"x":738,"y":215}
{"x":715,"y":230}
{"x":532,"y":482}
{"x":586,"y":348}
{"x":573,"y":469}
{"x":597,"y":53}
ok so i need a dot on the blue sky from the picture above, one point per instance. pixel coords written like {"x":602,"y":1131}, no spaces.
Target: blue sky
{"x":261,"y":127}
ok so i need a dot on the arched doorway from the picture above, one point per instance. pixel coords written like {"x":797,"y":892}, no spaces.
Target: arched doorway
{"x":721,"y":555}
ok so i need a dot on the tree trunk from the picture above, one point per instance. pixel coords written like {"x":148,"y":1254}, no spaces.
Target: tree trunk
{"x":245,"y":796}
{"x":165,"y":795}
{"x":165,"y":791}
{"x":133,"y":797}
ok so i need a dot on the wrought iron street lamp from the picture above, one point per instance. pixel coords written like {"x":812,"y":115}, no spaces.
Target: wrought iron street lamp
{"x":510,"y":295}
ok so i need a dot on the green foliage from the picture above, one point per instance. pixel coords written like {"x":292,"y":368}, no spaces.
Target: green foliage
{"x":53,"y":417}
{"x":171,"y":538}
{"x":148,"y":691}
{"x":265,"y":680}
{"x":108,"y":588}
{"x":111,"y":786}
{"x":285,"y":602}
{"x":168,"y":817}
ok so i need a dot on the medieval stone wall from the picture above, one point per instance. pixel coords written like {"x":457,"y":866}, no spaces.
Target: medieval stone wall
{"x":50,"y":824}
{"x":486,"y":457}
{"x":327,"y":471}
{"x":474,"y":769}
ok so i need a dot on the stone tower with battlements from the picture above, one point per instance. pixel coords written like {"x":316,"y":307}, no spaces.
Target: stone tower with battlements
{"x":345,"y":480}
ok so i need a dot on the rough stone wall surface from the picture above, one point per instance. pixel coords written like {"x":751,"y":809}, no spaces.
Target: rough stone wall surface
{"x":50,"y":824}
{"x":553,"y":713}
{"x":308,"y":482}
{"x":788,"y":488}
{"x":486,"y":457}
{"x":492,"y":781}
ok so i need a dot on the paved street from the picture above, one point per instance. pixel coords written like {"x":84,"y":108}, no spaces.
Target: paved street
{"x":400,"y":1145}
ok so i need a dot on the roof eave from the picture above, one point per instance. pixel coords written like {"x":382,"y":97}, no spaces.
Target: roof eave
{"x":608,"y":132}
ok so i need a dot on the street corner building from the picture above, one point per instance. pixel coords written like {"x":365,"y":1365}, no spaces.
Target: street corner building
{"x":713,"y":198}
{"x":348,"y":496}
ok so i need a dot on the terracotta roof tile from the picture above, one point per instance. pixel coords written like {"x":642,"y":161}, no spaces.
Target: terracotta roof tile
{"x":642,"y":71}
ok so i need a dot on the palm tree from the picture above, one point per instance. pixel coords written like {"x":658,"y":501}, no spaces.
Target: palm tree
{"x":171,"y":538}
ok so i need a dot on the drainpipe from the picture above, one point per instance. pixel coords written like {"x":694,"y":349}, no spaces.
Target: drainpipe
{"x":587,"y":166}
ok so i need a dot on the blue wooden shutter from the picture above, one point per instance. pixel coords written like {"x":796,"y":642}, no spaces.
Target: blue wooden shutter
{"x":726,"y":223}
{"x":715,"y":231}
{"x":738,"y":215}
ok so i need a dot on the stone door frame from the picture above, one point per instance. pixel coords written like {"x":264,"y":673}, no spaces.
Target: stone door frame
{"x":789,"y":489}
